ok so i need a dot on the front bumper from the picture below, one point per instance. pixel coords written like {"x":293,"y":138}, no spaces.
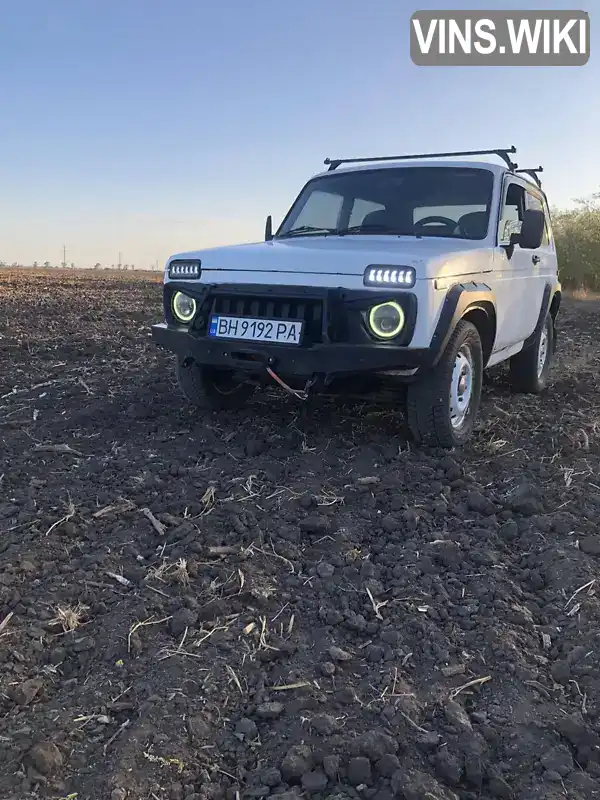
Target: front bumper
{"x":320,"y":359}
{"x":336,"y":341}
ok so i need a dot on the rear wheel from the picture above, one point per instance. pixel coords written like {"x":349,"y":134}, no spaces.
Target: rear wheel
{"x":442,"y":407}
{"x":210,"y":388}
{"x":529,"y":369}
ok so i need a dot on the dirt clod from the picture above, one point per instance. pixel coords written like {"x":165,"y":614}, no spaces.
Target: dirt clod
{"x":297,"y":761}
{"x":559,"y":759}
{"x":359,"y":771}
{"x":182,"y":619}
{"x":387,"y":765}
{"x":270,"y":710}
{"x":590,"y":545}
{"x":324,"y":724}
{"x":448,"y":767}
{"x":337,"y":654}
{"x":457,"y":716}
{"x":314,"y":781}
{"x":246,"y":728}
{"x":376,"y":744}
{"x":270,"y":777}
{"x":331,"y":766}
{"x":45,"y":758}
{"x":25,"y":693}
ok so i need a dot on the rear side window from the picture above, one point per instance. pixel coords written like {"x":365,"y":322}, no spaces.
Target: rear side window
{"x":533,"y":202}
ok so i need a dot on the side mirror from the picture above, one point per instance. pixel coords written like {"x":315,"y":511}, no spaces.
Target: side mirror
{"x":269,"y":229}
{"x":532,"y":229}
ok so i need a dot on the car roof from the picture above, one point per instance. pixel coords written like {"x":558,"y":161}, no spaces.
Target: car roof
{"x":497,"y":169}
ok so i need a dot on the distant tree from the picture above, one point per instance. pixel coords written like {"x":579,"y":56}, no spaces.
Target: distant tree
{"x":97,"y":265}
{"x":35,"y":265}
{"x":46,"y":264}
{"x":577,"y":237}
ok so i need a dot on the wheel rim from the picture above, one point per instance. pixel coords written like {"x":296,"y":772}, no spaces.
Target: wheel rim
{"x":542,"y":351}
{"x":461,"y":387}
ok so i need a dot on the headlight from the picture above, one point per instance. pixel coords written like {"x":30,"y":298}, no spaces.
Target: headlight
{"x":184,"y":307}
{"x":386,"y":320}
{"x":184,"y":269}
{"x":402,"y":277}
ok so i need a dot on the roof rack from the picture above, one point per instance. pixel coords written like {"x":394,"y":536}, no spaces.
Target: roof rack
{"x":533,"y":174}
{"x":502,"y":152}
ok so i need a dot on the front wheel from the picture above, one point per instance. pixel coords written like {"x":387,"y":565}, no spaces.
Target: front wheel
{"x":529,"y":369}
{"x":210,"y":388}
{"x":442,"y":407}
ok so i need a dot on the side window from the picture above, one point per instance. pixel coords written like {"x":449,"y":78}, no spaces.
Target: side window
{"x":512,"y":211}
{"x":361,"y":208}
{"x":533,"y":202}
{"x":321,"y":210}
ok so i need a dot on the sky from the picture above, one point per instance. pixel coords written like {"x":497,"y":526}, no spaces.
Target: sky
{"x":148,"y":127}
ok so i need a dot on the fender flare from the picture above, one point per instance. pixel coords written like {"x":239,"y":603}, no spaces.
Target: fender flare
{"x":550,"y":292}
{"x":460,"y":299}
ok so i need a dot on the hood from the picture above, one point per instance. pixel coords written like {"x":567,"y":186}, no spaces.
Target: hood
{"x":343,"y":255}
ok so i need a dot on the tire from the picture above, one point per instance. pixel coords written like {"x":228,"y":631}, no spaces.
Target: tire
{"x":432,"y":418}
{"x":211,"y":389}
{"x":529,"y":369}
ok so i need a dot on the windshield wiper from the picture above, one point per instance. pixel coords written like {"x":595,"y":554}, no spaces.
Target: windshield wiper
{"x":303,"y":230}
{"x":373,"y":228}
{"x":307,"y":230}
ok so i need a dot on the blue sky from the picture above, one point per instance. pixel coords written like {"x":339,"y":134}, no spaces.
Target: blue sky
{"x":154,"y":126}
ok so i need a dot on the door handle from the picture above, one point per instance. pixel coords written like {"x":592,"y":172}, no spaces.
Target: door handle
{"x":535,"y":258}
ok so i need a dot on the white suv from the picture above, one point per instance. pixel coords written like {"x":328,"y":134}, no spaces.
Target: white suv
{"x":425,"y":269}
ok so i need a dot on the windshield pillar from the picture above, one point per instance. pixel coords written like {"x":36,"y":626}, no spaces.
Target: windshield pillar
{"x":345,"y":212}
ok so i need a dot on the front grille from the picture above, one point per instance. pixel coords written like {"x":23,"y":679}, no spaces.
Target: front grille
{"x":293,"y":308}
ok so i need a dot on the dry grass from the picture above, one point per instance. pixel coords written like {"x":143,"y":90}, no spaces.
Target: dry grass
{"x":582,"y":294}
{"x":69,"y":617}
{"x":177,"y":573}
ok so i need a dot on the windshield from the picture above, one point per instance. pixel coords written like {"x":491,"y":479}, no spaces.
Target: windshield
{"x":402,"y":201}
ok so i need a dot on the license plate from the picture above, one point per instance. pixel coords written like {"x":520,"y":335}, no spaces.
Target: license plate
{"x":256,"y":330}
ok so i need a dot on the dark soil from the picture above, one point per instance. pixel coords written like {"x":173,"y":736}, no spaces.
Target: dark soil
{"x":285,"y":601}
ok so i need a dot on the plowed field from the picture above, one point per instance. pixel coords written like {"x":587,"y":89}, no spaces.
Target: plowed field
{"x":291,"y":600}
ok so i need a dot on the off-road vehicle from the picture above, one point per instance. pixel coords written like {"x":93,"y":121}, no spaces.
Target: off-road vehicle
{"x":425,"y":268}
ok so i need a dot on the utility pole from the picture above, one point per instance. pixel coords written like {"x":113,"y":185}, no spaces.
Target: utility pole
{"x":64,"y":261}
{"x":119,"y":266}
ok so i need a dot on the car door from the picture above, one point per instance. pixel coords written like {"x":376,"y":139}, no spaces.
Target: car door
{"x":544,"y":257}
{"x":516,"y":270}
